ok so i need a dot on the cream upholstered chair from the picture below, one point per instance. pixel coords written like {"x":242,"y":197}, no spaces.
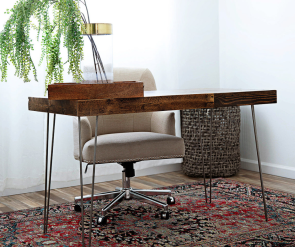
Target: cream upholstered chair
{"x":127,"y":139}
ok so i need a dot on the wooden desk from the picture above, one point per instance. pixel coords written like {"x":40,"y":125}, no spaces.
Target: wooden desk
{"x":152,"y":101}
{"x":155,"y":101}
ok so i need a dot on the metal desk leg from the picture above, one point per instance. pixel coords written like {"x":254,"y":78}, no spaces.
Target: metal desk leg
{"x":211,"y":153}
{"x":46,"y":176}
{"x":201,"y":143}
{"x":259,"y":163}
{"x":93,"y":178}
{"x":46,"y":207}
{"x":81,"y":180}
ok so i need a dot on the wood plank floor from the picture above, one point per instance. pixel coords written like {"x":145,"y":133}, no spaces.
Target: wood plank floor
{"x":36,"y":199}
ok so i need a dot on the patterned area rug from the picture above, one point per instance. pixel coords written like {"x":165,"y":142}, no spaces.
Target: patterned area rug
{"x":234,"y":218}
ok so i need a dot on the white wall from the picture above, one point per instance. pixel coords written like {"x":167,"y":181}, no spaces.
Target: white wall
{"x":177,"y":40}
{"x":257,"y":51}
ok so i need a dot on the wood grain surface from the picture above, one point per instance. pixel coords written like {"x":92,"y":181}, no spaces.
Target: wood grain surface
{"x":78,"y":91}
{"x":245,"y":98}
{"x":155,"y":101}
{"x":145,"y":104}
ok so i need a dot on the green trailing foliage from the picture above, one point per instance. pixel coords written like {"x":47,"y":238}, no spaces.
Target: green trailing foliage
{"x":63,"y":30}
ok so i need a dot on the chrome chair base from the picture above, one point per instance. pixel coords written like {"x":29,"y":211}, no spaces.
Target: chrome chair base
{"x":127,"y":193}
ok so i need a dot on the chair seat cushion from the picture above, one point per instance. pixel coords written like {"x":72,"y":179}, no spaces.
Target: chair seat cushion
{"x":133,"y":146}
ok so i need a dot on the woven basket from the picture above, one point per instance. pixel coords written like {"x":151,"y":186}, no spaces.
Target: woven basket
{"x":225,"y":141}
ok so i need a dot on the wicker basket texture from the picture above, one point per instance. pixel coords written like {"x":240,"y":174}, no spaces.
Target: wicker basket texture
{"x":225,"y":141}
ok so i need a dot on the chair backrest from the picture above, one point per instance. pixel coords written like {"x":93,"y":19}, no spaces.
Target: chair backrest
{"x":136,"y":74}
{"x":134,"y":122}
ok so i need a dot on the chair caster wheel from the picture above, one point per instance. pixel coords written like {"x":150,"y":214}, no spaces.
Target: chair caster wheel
{"x":102,"y":220}
{"x":77,"y":208}
{"x":164,"y":215}
{"x":170,"y":200}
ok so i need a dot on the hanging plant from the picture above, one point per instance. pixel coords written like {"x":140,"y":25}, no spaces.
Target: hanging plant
{"x":62,"y":29}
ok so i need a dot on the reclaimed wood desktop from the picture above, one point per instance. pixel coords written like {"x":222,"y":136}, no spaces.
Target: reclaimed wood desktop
{"x":155,"y":101}
{"x":152,"y":101}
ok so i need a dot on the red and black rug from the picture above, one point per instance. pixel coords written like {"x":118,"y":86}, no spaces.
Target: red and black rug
{"x":234,"y":218}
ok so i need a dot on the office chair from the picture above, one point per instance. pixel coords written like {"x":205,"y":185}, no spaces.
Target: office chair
{"x":127,"y":139}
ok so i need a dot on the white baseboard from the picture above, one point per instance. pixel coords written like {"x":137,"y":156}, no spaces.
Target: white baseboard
{"x":268,"y":168}
{"x":87,"y":180}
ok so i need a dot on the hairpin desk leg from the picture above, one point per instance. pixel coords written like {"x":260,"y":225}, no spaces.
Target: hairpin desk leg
{"x":81,"y":180}
{"x":50,"y":170}
{"x":46,"y":176}
{"x":259,"y":162}
{"x":211,"y":154}
{"x":47,"y":193}
{"x":202,"y":154}
{"x":93,"y":178}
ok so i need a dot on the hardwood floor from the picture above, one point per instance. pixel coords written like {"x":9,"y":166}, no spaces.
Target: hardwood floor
{"x":36,"y":199}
